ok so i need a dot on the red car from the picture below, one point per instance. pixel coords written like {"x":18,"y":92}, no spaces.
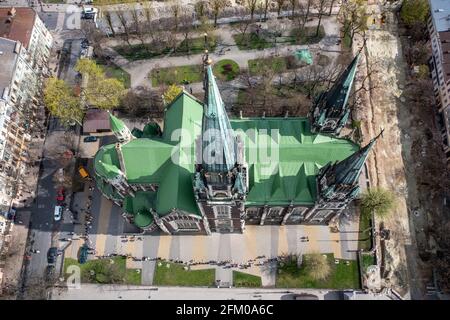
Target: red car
{"x":60,"y":196}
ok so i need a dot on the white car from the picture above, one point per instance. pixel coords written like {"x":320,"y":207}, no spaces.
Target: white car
{"x":58,"y":213}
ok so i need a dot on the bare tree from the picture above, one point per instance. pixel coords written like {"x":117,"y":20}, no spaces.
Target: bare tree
{"x":243,"y":23}
{"x":304,"y":9}
{"x":186,"y":21}
{"x":175,"y":10}
{"x":108,"y":17}
{"x":143,"y":102}
{"x":294,"y":4}
{"x":353,"y":18}
{"x":139,"y":27}
{"x":320,"y":6}
{"x":265,"y":7}
{"x":217,"y":7}
{"x":200,"y":8}
{"x":331,"y":7}
{"x":121,"y":15}
{"x":93,"y":35}
{"x":251,"y":6}
{"x":280,"y":4}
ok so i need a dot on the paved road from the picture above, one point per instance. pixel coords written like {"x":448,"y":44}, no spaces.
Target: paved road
{"x":115,"y":292}
{"x":44,"y":232}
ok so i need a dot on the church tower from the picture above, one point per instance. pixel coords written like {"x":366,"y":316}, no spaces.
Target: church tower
{"x":220,"y":180}
{"x":337,"y":184}
{"x":117,"y":179}
{"x":120,"y":130}
{"x":330,"y":111}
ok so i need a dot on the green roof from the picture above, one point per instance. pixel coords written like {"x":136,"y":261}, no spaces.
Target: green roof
{"x":289,"y":179}
{"x":150,"y":160}
{"x":143,"y":218}
{"x":116,"y":123}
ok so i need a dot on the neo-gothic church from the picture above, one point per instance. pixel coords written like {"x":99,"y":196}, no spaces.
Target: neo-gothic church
{"x":221,"y":174}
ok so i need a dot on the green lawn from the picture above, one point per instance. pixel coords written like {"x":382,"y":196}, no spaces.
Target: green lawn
{"x":176,"y":75}
{"x":195,"y":45}
{"x":368,"y":259}
{"x":113,"y":71}
{"x":342,"y":276}
{"x":140,"y":51}
{"x":241,"y":279}
{"x":105,"y":271}
{"x":364,"y":225}
{"x":260,"y":65}
{"x":308,"y":35}
{"x":149,"y":50}
{"x":251,"y":41}
{"x":226,"y":69}
{"x":175,"y":275}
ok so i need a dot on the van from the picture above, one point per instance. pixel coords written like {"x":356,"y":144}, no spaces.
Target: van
{"x":58,"y":213}
{"x":83,"y":172}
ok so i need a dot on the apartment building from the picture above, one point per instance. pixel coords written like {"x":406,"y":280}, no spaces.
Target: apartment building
{"x":439,"y":29}
{"x":25,"y":46}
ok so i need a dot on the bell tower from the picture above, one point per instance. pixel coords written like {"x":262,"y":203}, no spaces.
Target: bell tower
{"x":220,"y":183}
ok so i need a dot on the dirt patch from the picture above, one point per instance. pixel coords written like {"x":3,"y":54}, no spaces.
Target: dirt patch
{"x":391,"y":164}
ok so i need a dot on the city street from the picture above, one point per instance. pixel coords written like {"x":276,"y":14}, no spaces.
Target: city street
{"x":117,"y":292}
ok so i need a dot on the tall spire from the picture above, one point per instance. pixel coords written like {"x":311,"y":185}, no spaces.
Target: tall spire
{"x":340,"y":180}
{"x":218,"y":144}
{"x":330,"y":112}
{"x":348,"y":170}
{"x":119,"y":129}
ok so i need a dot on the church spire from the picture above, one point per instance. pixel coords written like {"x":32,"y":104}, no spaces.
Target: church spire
{"x":348,"y":170}
{"x":119,"y":129}
{"x":340,"y":180}
{"x":330,"y":112}
{"x":218,"y":140}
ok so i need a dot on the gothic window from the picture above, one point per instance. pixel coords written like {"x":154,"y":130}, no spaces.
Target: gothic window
{"x":321,"y":215}
{"x":253,"y":213}
{"x":297,"y":215}
{"x":275,"y":212}
{"x":184,"y":225}
{"x":330,"y":124}
{"x":222,"y":212}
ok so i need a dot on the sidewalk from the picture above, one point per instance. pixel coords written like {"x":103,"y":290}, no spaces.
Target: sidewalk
{"x":140,"y":69}
{"x":15,"y":256}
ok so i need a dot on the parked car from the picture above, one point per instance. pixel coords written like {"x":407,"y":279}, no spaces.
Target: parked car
{"x":58,"y":213}
{"x":60,"y":195}
{"x":83,"y":172}
{"x":52,"y":254}
{"x":90,"y":139}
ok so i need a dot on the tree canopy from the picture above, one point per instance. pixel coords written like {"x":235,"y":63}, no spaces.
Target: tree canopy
{"x":414,"y":11}
{"x":316,"y":265}
{"x":99,"y":91}
{"x":378,"y":201}
{"x":171,"y":93}
{"x":62,"y":102}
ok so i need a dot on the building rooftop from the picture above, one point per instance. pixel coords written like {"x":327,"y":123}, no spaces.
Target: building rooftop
{"x":440,"y":11}
{"x":287,"y":178}
{"x":96,"y":120}
{"x":17,"y":24}
{"x":8,"y":59}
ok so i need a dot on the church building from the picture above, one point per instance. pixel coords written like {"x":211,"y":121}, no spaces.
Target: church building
{"x":204,"y":172}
